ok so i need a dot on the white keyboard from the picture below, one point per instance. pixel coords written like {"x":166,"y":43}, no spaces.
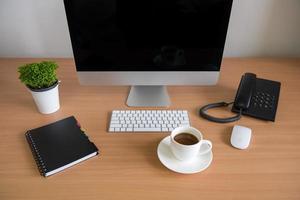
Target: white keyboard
{"x":147,"y":120}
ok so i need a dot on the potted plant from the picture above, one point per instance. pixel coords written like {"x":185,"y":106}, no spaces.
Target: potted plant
{"x":41,"y":80}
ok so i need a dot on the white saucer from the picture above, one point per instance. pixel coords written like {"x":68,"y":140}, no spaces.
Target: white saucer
{"x":167,"y":158}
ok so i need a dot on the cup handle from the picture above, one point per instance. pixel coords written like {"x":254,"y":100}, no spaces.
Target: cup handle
{"x":208,"y":149}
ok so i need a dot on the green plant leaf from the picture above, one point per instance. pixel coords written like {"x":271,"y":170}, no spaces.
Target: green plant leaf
{"x":38,"y":75}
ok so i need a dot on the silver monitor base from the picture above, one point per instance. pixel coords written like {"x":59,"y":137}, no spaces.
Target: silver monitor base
{"x":148,"y":96}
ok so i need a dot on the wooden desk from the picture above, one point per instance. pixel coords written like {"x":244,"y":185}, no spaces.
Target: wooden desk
{"x":128,"y":167}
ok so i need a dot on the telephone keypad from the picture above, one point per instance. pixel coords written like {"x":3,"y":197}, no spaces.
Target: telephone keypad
{"x":263,"y":100}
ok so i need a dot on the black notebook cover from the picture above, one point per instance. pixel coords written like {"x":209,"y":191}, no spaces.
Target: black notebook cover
{"x":59,"y":145}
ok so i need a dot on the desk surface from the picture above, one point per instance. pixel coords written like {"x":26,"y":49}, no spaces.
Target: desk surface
{"x":128,"y":167}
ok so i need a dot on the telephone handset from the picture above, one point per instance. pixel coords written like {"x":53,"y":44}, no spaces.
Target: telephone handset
{"x":255,"y":97}
{"x":245,"y":91}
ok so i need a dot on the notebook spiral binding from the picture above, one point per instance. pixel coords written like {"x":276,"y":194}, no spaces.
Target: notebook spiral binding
{"x":37,"y":157}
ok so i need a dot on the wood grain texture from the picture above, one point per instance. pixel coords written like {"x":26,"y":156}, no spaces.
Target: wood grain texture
{"x":128,"y":167}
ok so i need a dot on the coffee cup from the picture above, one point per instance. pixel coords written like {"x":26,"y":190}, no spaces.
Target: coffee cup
{"x":186,"y":143}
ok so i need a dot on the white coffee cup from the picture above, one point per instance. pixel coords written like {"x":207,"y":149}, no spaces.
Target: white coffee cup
{"x":185,"y":152}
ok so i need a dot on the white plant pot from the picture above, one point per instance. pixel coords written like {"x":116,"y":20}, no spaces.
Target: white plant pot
{"x":46,"y":100}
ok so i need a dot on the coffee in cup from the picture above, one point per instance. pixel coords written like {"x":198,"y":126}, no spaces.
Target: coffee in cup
{"x":186,"y":139}
{"x":186,"y":143}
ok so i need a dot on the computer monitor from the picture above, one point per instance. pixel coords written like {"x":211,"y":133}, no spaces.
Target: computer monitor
{"x":148,"y":44}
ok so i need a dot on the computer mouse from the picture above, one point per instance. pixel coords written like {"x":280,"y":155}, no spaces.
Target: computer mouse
{"x":240,"y":137}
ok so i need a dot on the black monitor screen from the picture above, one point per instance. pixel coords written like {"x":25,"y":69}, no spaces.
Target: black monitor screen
{"x":148,"y":35}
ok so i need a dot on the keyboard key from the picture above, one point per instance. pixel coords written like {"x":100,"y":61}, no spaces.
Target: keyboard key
{"x":165,"y":130}
{"x":116,"y":125}
{"x":147,"y":129}
{"x":111,"y":130}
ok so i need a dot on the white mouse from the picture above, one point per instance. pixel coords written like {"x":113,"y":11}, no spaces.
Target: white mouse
{"x":240,"y":137}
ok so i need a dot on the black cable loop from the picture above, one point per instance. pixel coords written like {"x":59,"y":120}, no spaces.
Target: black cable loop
{"x":205,"y":115}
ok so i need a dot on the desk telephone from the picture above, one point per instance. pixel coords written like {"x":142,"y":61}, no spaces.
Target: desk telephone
{"x":255,"y":97}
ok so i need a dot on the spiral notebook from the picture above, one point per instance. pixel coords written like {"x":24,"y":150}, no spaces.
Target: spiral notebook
{"x":59,"y":145}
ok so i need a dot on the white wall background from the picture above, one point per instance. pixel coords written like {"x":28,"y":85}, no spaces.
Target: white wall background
{"x":38,"y":28}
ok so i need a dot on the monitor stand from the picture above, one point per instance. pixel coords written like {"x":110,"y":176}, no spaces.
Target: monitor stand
{"x":148,"y":96}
